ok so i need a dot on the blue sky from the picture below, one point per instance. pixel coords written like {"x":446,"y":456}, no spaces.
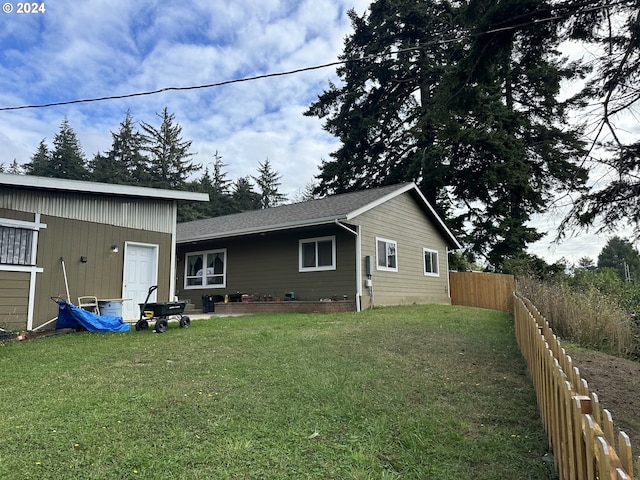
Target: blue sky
{"x":78,"y":50}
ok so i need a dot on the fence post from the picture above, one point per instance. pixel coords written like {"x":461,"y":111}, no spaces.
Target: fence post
{"x":581,"y":433}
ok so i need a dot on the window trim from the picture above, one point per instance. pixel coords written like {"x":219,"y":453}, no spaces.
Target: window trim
{"x":35,"y":227}
{"x":317,"y":268}
{"x":204,"y":285}
{"x":386,"y":268}
{"x":436,"y":263}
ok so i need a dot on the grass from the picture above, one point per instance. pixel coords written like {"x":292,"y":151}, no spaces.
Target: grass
{"x":410,"y":392}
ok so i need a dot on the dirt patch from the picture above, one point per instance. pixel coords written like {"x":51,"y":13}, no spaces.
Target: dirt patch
{"x":616,"y":381}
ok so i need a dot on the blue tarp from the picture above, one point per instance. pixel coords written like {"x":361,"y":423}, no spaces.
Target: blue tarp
{"x":70,"y":316}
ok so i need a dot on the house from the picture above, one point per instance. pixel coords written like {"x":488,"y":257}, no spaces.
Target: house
{"x":65,"y":237}
{"x":381,"y":246}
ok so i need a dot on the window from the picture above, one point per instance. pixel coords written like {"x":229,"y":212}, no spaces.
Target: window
{"x":206,"y":269}
{"x":15,"y":245}
{"x":317,"y":254}
{"x":430,"y":262}
{"x":387,"y":254}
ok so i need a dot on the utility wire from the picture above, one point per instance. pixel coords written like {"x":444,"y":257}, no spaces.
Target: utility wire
{"x":304,"y":69}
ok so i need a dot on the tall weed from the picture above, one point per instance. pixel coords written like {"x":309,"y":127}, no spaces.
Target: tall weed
{"x":586,"y":316}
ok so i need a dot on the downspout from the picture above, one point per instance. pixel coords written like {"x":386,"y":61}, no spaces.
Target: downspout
{"x":358,"y":262}
{"x":174,"y":229}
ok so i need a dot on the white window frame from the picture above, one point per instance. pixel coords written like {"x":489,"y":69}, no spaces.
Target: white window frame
{"x":33,"y":269}
{"x":34,"y":228}
{"x":435,"y":259}
{"x":204,"y":285}
{"x":316,"y":240}
{"x":386,"y":266}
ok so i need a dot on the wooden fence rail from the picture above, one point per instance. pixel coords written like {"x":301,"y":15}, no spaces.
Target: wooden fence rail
{"x":581,"y":434}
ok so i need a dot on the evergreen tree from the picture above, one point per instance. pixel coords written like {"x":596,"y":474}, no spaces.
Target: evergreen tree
{"x":474,"y":122}
{"x":221,"y":202}
{"x":244,"y":197}
{"x":268,"y":182}
{"x":220,"y":184}
{"x":15,"y":168}
{"x":168,"y":154}
{"x":620,"y":254}
{"x":67,"y":159}
{"x":586,"y":263}
{"x":218,"y":187}
{"x":612,"y":36}
{"x":40,"y":164}
{"x":307,"y":194}
{"x":124,"y":163}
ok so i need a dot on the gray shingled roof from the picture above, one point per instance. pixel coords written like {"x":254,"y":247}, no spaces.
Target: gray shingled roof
{"x":314,"y":212}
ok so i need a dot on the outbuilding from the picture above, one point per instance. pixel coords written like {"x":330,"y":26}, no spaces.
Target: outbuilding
{"x":66,"y":237}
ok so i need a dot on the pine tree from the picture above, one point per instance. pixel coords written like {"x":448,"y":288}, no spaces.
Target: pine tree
{"x":168,"y":154}
{"x":67,"y":159}
{"x":268,"y":182}
{"x":620,"y":254}
{"x":15,"y":168}
{"x":40,"y":164}
{"x":219,"y":181}
{"x":124,"y":163}
{"x":611,"y":34}
{"x":218,"y":187}
{"x":244,"y":197}
{"x":474,"y":122}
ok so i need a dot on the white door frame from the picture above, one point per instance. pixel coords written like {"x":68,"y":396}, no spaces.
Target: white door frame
{"x":154,"y":274}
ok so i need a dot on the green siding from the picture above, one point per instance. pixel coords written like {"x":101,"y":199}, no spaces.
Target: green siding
{"x":268,"y":265}
{"x":403,"y":220}
{"x":101,"y":274}
{"x":14,"y":299}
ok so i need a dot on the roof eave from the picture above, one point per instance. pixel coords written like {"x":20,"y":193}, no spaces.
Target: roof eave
{"x":267,"y":229}
{"x":453,"y":242}
{"x":57,"y":184}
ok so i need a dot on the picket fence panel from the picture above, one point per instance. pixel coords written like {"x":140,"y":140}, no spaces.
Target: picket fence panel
{"x":580,"y":432}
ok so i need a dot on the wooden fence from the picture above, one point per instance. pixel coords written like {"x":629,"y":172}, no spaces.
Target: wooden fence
{"x":485,"y":290}
{"x":581,"y":434}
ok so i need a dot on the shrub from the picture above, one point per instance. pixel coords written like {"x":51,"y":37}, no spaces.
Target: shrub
{"x":585,"y":314}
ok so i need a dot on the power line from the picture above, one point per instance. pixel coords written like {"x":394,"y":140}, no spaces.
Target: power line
{"x":303,"y":69}
{"x":174,"y":89}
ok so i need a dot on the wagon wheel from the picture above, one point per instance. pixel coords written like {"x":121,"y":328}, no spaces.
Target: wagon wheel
{"x":141,"y":325}
{"x":161,"y":325}
{"x":185,"y":322}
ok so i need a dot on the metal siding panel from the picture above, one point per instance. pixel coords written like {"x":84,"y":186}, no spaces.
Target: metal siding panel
{"x":152,"y":215}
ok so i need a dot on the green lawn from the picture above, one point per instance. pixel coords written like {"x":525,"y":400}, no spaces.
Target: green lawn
{"x":415,"y":392}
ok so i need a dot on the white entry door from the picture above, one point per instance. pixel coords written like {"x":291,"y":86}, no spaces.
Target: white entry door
{"x":140,"y":273}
